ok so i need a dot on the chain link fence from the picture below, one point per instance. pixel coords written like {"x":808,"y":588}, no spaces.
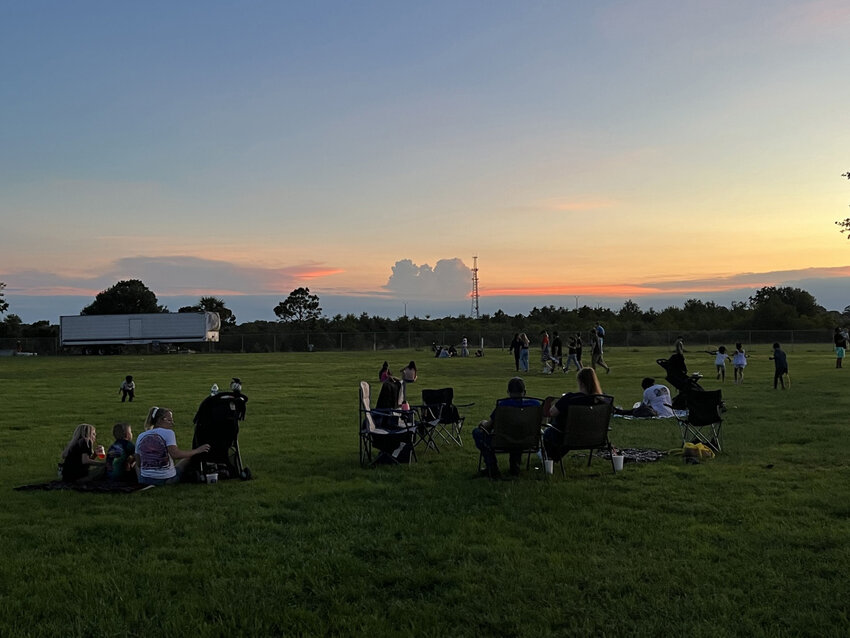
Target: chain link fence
{"x":375,"y":341}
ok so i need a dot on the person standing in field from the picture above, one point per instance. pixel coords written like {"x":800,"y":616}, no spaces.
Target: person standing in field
{"x":515,"y":346}
{"x":524,"y":342}
{"x":679,"y":346}
{"x":780,"y":362}
{"x":840,"y":347}
{"x":596,"y":351}
{"x":579,"y":346}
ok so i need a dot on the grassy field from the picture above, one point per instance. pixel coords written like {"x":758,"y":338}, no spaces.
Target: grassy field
{"x":754,"y":542}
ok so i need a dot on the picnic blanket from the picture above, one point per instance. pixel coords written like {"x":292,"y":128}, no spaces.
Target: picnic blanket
{"x":94,"y":486}
{"x":632,"y":455}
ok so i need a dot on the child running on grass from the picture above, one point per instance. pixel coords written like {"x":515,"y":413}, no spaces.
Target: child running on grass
{"x":739,"y":361}
{"x":128,"y":389}
{"x":720,"y":358}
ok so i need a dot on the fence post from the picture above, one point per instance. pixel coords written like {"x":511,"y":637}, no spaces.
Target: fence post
{"x":340,"y":342}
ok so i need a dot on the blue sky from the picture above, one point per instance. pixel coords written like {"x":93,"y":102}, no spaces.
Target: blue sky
{"x":648,"y":150}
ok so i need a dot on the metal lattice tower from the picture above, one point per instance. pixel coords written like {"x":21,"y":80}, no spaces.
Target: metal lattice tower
{"x":475,"y":287}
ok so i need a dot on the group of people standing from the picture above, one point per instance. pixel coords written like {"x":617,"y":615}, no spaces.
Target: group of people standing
{"x":552,"y":352}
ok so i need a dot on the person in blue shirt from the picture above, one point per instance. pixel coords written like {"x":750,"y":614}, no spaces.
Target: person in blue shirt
{"x":483,"y":434}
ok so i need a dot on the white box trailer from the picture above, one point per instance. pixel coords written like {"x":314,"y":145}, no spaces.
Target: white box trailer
{"x":163,"y":327}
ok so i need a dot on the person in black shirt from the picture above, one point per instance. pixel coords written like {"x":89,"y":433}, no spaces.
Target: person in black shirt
{"x":81,"y":453}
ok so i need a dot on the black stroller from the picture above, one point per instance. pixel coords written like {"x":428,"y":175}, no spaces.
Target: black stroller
{"x":217,"y":423}
{"x":677,"y":375}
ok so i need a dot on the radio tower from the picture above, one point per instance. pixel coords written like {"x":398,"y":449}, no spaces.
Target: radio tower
{"x":475,"y":287}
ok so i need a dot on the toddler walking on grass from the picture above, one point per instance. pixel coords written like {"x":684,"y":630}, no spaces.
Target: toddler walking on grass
{"x":128,"y":389}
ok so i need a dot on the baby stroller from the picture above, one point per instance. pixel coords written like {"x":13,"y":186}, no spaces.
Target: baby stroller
{"x":217,"y":423}
{"x":677,"y":375}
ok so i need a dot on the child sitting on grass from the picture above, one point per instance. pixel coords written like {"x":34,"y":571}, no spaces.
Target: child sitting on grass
{"x":80,"y":454}
{"x":120,"y":459}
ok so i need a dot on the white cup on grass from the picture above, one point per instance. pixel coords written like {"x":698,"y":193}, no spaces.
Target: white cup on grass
{"x":550,"y":466}
{"x":618,"y":462}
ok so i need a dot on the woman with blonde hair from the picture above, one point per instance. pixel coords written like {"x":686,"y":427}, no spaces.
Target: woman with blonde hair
{"x":81,"y":453}
{"x":589,"y":393}
{"x":156,"y":450}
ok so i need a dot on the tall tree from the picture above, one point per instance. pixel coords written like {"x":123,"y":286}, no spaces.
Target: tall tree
{"x":213,"y":304}
{"x":130,"y":296}
{"x":4,"y":305}
{"x":300,"y":307}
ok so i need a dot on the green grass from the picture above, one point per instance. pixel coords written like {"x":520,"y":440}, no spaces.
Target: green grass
{"x":754,"y":542}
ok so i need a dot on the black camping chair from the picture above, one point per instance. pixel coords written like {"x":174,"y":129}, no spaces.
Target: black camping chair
{"x":440,"y":403}
{"x":586,"y":428}
{"x":516,"y":429}
{"x":678,"y":377}
{"x":386,"y":430}
{"x":217,"y":423}
{"x":704,"y":421}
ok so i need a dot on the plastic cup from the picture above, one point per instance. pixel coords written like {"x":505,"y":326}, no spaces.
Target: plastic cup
{"x":618,"y":462}
{"x":101,"y":453}
{"x":549,"y":465}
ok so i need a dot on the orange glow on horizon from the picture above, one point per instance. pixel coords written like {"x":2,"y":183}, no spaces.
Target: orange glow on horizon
{"x":320,"y":273}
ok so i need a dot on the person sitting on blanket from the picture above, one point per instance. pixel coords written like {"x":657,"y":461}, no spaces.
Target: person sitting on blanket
{"x":120,"y":459}
{"x":156,"y":449}
{"x":656,"y":401}
{"x":483,"y":434}
{"x":588,"y":386}
{"x":80,"y":454}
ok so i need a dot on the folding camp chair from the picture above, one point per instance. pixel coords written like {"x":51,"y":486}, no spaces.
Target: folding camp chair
{"x":386,"y":430}
{"x":450,"y":421}
{"x":586,"y":428}
{"x":516,"y":429}
{"x":704,"y":421}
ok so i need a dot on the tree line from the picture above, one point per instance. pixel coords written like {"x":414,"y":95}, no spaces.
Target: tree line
{"x":768,"y":308}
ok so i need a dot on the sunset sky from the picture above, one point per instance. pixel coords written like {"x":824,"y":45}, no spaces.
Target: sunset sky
{"x":586,"y":152}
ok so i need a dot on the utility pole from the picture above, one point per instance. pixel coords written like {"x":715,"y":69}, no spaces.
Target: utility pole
{"x":475,"y":287}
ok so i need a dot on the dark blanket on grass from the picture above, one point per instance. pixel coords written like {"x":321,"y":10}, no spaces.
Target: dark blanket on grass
{"x":94,"y":486}
{"x":631,"y":455}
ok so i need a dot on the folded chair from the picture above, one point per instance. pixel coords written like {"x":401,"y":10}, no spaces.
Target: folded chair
{"x":450,"y":421}
{"x":587,"y":428}
{"x":516,"y":429}
{"x":703,"y":422}
{"x":384,"y":430}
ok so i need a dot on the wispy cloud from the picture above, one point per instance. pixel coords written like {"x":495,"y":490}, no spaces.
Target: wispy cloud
{"x":174,"y":275}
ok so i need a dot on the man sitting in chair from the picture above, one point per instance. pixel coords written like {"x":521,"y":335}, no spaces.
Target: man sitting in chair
{"x":483,"y":434}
